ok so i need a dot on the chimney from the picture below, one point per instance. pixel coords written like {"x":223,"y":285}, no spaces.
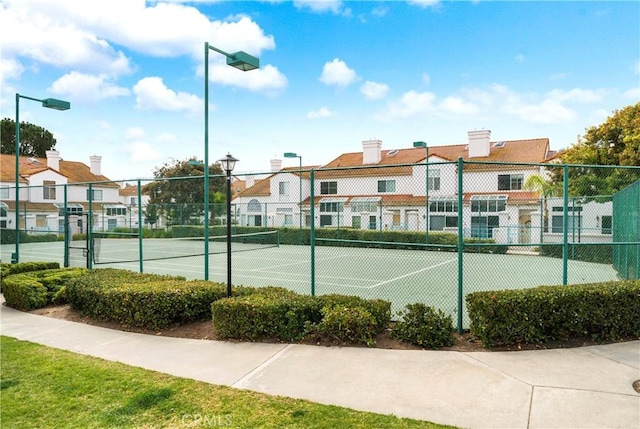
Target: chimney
{"x":479,"y":145}
{"x":95,"y":165}
{"x":371,"y":151}
{"x":276,"y":165}
{"x":249,"y":181}
{"x":53,"y":159}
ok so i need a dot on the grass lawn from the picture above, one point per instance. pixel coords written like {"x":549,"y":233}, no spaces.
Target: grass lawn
{"x":42,"y":387}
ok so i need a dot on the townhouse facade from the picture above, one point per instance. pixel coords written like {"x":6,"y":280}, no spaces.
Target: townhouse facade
{"x":47,"y":185}
{"x":394,"y":190}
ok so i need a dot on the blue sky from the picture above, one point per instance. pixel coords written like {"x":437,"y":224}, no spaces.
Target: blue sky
{"x":333,"y":73}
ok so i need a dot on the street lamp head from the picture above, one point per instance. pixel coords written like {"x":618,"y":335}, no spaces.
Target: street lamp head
{"x":243,"y":61}
{"x":228,"y":163}
{"x":290,"y":155}
{"x":54,"y":103}
{"x":419,"y":144}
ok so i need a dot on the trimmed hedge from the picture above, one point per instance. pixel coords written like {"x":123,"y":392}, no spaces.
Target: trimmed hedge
{"x":603,"y":311}
{"x":599,"y":254}
{"x":269,"y":312}
{"x":35,"y":289}
{"x":24,"y":267}
{"x":424,"y":326}
{"x":148,"y":301}
{"x":287,"y":316}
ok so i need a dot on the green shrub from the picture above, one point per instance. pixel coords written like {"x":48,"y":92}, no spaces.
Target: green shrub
{"x":24,"y":267}
{"x":379,"y":309}
{"x":24,"y":292}
{"x":348,"y":324}
{"x":424,"y":326}
{"x":35,"y":289}
{"x":603,"y":311}
{"x":270,"y":312}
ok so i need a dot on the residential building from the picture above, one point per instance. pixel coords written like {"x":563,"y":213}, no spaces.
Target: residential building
{"x":387,"y":189}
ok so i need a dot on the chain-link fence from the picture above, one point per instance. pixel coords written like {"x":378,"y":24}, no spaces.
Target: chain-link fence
{"x":407,"y":233}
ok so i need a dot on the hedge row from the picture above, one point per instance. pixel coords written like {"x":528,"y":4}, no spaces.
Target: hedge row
{"x":8,"y":236}
{"x":23,"y":267}
{"x":36,"y":289}
{"x":287,"y":316}
{"x":603,"y":311}
{"x":600,"y":254}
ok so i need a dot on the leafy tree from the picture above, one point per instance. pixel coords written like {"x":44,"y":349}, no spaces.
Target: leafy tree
{"x":34,"y":140}
{"x":178,"y":191}
{"x":616,"y":142}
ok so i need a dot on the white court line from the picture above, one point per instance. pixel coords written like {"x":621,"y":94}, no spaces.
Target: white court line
{"x":411,"y":274}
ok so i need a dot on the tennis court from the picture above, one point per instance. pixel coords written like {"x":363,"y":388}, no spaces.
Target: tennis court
{"x":400,"y":276}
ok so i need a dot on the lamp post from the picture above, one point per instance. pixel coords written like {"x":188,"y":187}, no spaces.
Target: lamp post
{"x":228,"y":163}
{"x":426,"y":198}
{"x":50,"y":103}
{"x":295,"y":155}
{"x":242,"y":61}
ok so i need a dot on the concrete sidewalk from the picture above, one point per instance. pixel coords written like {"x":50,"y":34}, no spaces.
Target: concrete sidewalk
{"x":589,"y":387}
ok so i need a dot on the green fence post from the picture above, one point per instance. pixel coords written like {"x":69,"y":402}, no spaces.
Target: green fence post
{"x":312,"y":238}
{"x":90,"y":229}
{"x":66,"y":227}
{"x":565,"y":225}
{"x":139,"y":226}
{"x":460,"y":243}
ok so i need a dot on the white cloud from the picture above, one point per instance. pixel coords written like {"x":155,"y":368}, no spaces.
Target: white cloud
{"x":142,"y":151}
{"x":373,"y":90}
{"x":319,"y":6}
{"x":337,"y":73}
{"x":379,"y":11}
{"x":83,"y":88}
{"x":632,"y":94}
{"x":323,"y":112}
{"x":426,"y":79}
{"x":636,"y":67}
{"x":457,"y":105}
{"x":10,"y":69}
{"x":267,"y":79}
{"x":424,"y":3}
{"x":134,"y":133}
{"x":520,"y":58}
{"x":152,"y":94}
{"x":579,"y":95}
{"x":410,"y":104}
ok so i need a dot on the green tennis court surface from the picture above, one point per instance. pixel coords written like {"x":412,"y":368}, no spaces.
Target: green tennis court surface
{"x":400,"y":276}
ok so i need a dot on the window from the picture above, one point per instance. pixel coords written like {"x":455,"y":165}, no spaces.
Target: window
{"x":365,"y":204}
{"x":288,"y":220}
{"x":510,"y":182}
{"x":434,"y":180}
{"x":49,"y":190}
{"x":133,"y":201}
{"x":284,"y":188}
{"x":41,"y":221}
{"x":446,"y":206}
{"x":355,"y":222}
{"x":97,"y":195}
{"x":4,"y":192}
{"x":439,"y":223}
{"x":386,"y":185}
{"x":3,"y":210}
{"x":116,"y":211}
{"x":482,"y":226}
{"x":488,"y":203}
{"x":72,"y":209}
{"x":254,"y":206}
{"x":332,"y":207}
{"x":574,"y":220}
{"x":327,"y":188}
{"x":606,"y":224}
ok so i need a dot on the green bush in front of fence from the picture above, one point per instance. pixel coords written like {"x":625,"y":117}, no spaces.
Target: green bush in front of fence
{"x":353,"y":325}
{"x":35,"y":289}
{"x":602,"y":311}
{"x":8,"y":236}
{"x":424,"y":326}
{"x":88,"y":292}
{"x":287,"y":316}
{"x":24,"y":267}
{"x":269,"y":312}
{"x":600,"y":254}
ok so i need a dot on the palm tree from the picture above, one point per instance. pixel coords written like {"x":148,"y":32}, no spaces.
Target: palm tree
{"x":545,"y":189}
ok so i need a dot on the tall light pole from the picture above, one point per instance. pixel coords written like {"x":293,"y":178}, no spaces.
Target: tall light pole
{"x":426,"y":198}
{"x":50,"y":103}
{"x":228,"y":163}
{"x":295,"y":155}
{"x":242,"y":61}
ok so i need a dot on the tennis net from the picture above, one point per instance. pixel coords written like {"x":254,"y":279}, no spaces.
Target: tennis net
{"x":117,"y":248}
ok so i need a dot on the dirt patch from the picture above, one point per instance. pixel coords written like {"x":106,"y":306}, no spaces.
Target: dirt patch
{"x":464,"y":342}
